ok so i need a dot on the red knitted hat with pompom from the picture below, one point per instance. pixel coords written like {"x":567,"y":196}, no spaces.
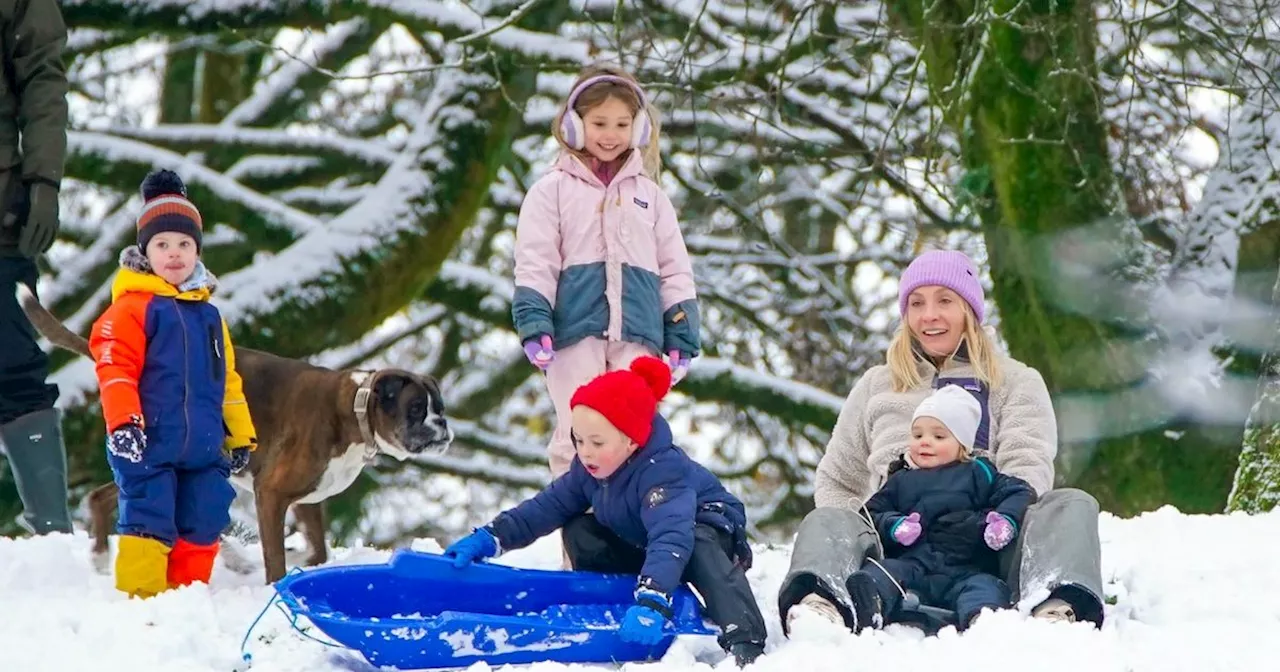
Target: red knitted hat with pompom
{"x":628,"y":399}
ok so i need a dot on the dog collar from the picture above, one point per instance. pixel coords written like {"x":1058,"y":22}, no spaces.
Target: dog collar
{"x":361,"y":407}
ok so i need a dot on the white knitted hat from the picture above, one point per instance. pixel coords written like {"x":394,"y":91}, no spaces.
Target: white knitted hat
{"x":955,"y":408}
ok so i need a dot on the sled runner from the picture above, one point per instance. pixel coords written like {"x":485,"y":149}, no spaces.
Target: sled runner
{"x":927,"y":618}
{"x":419,"y":611}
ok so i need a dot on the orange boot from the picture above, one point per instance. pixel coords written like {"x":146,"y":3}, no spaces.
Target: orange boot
{"x":141,"y":566}
{"x":190,"y":562}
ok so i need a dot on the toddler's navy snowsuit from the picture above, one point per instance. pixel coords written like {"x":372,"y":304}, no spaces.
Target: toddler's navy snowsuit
{"x":950,"y":565}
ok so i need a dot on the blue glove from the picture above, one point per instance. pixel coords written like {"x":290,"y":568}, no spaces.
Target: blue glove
{"x":239,"y":459}
{"x":478,"y":545}
{"x":127,"y":442}
{"x":644,"y":619}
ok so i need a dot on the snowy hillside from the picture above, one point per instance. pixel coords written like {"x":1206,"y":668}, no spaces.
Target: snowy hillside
{"x":1195,"y":593}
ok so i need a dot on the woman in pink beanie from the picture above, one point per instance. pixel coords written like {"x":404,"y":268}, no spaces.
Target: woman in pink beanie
{"x":941,"y":341}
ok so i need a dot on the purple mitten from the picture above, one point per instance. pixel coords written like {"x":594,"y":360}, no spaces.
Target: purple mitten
{"x":540,"y":352}
{"x":679,"y":363}
{"x":999,"y":531}
{"x":907,"y":530}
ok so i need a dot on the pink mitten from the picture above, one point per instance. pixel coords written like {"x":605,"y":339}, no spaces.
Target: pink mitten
{"x":679,"y":363}
{"x":540,"y":352}
{"x":907,"y":530}
{"x":999,"y":531}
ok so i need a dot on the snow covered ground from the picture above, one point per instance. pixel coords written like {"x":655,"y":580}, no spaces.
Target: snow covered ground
{"x":1195,"y":593}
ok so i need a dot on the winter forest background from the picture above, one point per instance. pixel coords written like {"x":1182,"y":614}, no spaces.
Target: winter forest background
{"x":360,"y":164}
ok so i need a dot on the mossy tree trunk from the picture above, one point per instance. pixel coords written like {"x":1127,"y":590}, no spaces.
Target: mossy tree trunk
{"x":1250,"y":167}
{"x":1257,"y":482}
{"x":1016,"y":81}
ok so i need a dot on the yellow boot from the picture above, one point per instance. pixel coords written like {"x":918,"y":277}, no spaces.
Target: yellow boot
{"x":142,"y":566}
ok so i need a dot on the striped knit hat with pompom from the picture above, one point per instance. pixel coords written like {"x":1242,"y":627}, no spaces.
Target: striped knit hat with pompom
{"x":166,"y":208}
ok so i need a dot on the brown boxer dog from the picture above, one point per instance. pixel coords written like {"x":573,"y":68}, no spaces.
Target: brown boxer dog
{"x":317,"y":429}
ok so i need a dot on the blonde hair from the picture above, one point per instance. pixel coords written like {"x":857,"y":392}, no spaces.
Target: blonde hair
{"x":902,"y":356}
{"x":651,"y":158}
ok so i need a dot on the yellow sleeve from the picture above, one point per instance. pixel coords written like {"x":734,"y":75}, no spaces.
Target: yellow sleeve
{"x":235,"y":410}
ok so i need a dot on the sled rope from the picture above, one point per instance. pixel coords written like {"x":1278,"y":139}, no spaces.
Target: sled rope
{"x":278,"y":601}
{"x":880,"y":546}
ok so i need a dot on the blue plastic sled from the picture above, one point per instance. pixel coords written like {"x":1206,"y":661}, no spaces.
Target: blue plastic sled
{"x":419,"y":611}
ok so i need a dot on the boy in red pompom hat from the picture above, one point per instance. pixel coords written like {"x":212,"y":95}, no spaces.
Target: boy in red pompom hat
{"x":653,"y":512}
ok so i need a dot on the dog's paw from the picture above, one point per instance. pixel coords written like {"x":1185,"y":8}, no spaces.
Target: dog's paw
{"x":297,"y":557}
{"x":101,"y":562}
{"x":235,"y":559}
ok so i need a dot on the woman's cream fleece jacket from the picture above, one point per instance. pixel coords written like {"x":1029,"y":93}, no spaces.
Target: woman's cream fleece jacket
{"x":875,"y":422}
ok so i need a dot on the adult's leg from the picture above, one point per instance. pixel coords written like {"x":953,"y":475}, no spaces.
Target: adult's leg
{"x":30,"y":427}
{"x":574,"y":367}
{"x":724,"y":588}
{"x":1058,"y":549}
{"x":592,"y":547}
{"x":38,"y":458}
{"x":830,"y":545}
{"x":970,"y":594}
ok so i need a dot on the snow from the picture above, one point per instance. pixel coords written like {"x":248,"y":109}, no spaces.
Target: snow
{"x":131,"y":151}
{"x":383,"y":211}
{"x":1188,"y":592}
{"x":711,"y":367}
{"x":370,"y":153}
{"x":459,"y":15}
{"x":282,"y":83}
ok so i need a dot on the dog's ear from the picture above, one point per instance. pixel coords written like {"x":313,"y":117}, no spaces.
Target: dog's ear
{"x":388,"y":388}
{"x":433,"y":389}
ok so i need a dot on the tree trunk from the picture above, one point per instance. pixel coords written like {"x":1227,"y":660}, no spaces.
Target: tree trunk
{"x":1257,"y":482}
{"x":1018,"y":84}
{"x":1253,"y":169}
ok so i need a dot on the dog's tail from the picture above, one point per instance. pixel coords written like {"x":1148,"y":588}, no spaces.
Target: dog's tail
{"x":49,"y":326}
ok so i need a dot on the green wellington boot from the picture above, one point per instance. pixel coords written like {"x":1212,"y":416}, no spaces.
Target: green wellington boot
{"x":38,"y":459}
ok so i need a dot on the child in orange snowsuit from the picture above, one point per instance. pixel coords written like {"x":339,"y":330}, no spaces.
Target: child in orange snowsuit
{"x":177,"y":421}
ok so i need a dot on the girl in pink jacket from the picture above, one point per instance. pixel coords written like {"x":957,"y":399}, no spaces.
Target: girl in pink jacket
{"x":602,"y":273}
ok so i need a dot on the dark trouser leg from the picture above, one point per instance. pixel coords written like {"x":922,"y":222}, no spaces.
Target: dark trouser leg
{"x":29,"y":426}
{"x":830,"y":545}
{"x":724,"y":588}
{"x":1058,"y":549}
{"x":592,"y":547}
{"x":969,"y":594}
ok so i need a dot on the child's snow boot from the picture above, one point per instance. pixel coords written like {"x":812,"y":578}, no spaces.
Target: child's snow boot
{"x":141,"y":566}
{"x":745,"y":653}
{"x":868,"y":608}
{"x":190,"y":562}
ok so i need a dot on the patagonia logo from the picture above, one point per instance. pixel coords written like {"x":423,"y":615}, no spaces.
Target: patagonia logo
{"x":640,"y":202}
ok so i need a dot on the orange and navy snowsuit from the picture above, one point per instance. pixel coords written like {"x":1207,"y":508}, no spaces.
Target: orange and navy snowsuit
{"x":165,"y":356}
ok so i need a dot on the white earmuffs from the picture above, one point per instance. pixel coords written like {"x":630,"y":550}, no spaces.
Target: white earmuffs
{"x":575,"y":132}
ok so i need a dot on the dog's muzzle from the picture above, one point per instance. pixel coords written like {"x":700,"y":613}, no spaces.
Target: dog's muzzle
{"x":433,"y":435}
